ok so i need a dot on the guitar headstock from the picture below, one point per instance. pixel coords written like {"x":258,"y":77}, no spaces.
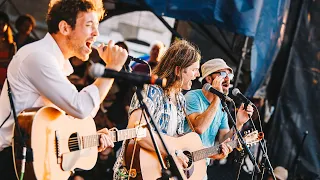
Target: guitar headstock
{"x":141,"y":131}
{"x":250,"y":138}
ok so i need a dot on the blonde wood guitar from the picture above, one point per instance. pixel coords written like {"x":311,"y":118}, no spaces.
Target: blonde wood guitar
{"x":192,"y":147}
{"x":60,"y":143}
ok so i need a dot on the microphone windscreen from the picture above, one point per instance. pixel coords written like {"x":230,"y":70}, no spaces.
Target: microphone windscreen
{"x":96,"y":70}
{"x":207,"y":86}
{"x":235,"y":91}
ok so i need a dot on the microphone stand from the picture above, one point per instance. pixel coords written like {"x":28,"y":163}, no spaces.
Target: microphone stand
{"x":245,"y":147}
{"x":172,"y":171}
{"x":239,"y":161}
{"x":264,"y":154}
{"x":296,"y":159}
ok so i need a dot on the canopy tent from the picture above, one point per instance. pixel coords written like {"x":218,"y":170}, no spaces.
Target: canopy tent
{"x":259,"y":19}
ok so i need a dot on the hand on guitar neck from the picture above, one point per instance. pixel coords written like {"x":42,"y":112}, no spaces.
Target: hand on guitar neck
{"x":225,"y":149}
{"x":105,"y":140}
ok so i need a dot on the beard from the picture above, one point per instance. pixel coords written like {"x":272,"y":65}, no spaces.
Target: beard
{"x":226,"y":91}
{"x":76,"y":48}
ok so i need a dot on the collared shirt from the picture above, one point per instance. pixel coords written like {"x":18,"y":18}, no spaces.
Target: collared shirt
{"x":37,"y":75}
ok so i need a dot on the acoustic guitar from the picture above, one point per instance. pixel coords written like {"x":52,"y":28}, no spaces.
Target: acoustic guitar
{"x":192,"y":147}
{"x":59,"y":143}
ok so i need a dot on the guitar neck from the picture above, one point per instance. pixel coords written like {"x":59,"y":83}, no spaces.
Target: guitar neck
{"x":207,"y":152}
{"x":119,"y":135}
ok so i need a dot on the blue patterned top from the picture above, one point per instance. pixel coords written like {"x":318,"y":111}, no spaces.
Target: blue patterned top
{"x":161,"y":110}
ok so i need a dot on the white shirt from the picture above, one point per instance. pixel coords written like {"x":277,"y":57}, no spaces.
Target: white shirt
{"x":37,"y":75}
{"x":173,"y":125}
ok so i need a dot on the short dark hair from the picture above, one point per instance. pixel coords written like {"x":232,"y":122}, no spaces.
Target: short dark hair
{"x":204,"y":80}
{"x":4,"y":17}
{"x":8,"y":36}
{"x":27,"y":17}
{"x":67,"y":10}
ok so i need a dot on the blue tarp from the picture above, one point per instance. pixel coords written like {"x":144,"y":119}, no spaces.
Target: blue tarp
{"x":260,"y":19}
{"x":266,"y":41}
{"x":239,"y":16}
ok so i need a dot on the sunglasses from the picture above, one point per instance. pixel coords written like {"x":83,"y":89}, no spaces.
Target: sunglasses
{"x":225,"y":74}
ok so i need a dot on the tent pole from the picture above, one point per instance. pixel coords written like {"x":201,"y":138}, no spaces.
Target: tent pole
{"x":243,"y":56}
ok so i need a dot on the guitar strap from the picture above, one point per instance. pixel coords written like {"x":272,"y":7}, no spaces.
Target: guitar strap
{"x":13,"y":110}
{"x":188,"y":120}
{"x":22,"y":140}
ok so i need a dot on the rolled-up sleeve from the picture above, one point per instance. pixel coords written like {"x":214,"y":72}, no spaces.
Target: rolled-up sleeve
{"x":49,"y":81}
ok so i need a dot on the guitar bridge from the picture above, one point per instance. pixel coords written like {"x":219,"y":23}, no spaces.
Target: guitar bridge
{"x":58,"y":153}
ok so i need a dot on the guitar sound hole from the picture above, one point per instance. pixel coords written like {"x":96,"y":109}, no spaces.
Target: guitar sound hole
{"x":73,"y":142}
{"x":189,"y":155}
{"x":190,"y":169}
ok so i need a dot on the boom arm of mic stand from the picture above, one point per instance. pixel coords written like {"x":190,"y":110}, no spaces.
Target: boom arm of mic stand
{"x":246,"y":148}
{"x":173,"y":167}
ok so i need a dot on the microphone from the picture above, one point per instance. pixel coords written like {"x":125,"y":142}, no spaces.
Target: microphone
{"x":222,"y":96}
{"x":236,"y":92}
{"x":95,"y":45}
{"x":99,"y":70}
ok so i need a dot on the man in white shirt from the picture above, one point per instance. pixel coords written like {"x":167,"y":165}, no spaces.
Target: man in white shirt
{"x":37,"y":73}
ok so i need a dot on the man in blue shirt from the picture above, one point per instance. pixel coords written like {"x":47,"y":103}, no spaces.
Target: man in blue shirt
{"x":204,"y":108}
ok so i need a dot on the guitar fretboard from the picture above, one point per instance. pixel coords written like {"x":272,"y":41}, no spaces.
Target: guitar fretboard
{"x":206,"y":152}
{"x":120,"y":135}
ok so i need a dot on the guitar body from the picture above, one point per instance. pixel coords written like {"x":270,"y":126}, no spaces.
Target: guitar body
{"x":136,"y":175}
{"x":53,"y":138}
{"x":150,"y":166}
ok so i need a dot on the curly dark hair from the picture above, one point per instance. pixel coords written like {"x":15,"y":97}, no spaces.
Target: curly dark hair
{"x":27,"y":17}
{"x":67,"y":10}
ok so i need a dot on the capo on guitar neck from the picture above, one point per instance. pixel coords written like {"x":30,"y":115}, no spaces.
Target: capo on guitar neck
{"x":114,"y":129}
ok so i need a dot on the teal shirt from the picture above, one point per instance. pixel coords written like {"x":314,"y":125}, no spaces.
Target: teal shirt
{"x":198,"y":103}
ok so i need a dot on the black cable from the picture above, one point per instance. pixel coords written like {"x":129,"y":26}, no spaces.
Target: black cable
{"x":5,"y":120}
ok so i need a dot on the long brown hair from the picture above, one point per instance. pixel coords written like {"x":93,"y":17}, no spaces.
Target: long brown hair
{"x":180,"y":54}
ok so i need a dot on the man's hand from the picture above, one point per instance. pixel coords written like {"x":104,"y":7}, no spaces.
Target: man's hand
{"x":105,"y":140}
{"x":225,"y":150}
{"x":113,"y":55}
{"x":217,"y":83}
{"x":183,"y":159}
{"x":243,"y":115}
